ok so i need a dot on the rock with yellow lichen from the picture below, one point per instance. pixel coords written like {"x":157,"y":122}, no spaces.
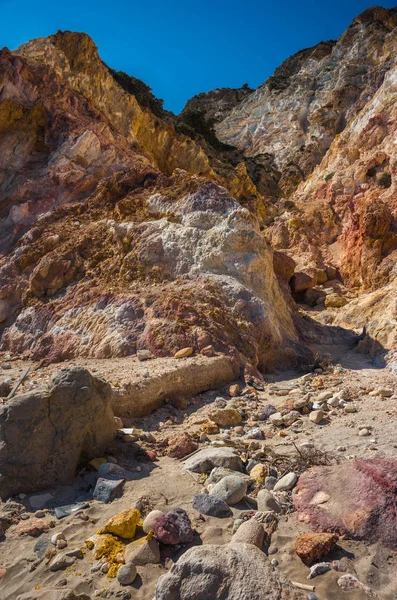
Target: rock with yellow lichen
{"x":123,"y":524}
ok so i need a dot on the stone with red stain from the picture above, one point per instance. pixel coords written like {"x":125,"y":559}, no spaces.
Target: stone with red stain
{"x":3,"y":573}
{"x":312,"y":547}
{"x":181,"y":446}
{"x":362,"y":499}
{"x":33,"y":527}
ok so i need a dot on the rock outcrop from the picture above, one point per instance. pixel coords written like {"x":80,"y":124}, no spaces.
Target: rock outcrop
{"x":45,"y":433}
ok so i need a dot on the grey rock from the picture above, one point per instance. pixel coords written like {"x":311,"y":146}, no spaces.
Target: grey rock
{"x":126,"y":574}
{"x":61,"y":562}
{"x":40,"y":500}
{"x":235,"y":571}
{"x":68,"y":509}
{"x":71,"y":420}
{"x":144,"y":355}
{"x":106,"y":490}
{"x":231,"y":489}
{"x":250,"y":532}
{"x":211,"y":506}
{"x":286,"y":483}
{"x":219,"y":473}
{"x":40,"y":547}
{"x":267,"y":502}
{"x":112,"y":471}
{"x":205,"y":460}
{"x":270,"y":482}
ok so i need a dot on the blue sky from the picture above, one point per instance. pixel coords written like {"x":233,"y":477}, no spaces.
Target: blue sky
{"x":181,"y":47}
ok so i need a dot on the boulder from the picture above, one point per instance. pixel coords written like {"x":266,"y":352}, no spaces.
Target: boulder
{"x":267,"y":502}
{"x":205,"y":460}
{"x":235,"y":571}
{"x":284,"y":265}
{"x":46,"y":432}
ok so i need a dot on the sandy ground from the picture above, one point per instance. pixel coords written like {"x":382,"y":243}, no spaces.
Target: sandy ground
{"x":166,"y":485}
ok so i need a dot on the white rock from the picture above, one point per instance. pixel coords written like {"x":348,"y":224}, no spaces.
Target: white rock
{"x":126,"y":574}
{"x":150,"y":519}
{"x":276,"y":419}
{"x":286,"y":483}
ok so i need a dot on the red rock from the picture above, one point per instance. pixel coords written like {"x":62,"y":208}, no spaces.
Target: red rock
{"x":362,"y":500}
{"x":311,"y":547}
{"x":173,"y":528}
{"x":33,"y":527}
{"x":181,"y":446}
{"x":3,"y":573}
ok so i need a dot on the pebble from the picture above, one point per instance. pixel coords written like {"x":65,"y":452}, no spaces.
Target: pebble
{"x":39,"y":514}
{"x":231,"y":489}
{"x":350,"y":408}
{"x":316,"y":416}
{"x":250,"y":532}
{"x":184,"y":353}
{"x":274,"y":562}
{"x":61,"y":562}
{"x":210,"y":505}
{"x":107,"y":490}
{"x":312,"y":596}
{"x":270,"y":482}
{"x":276,"y":419}
{"x":364,"y":432}
{"x":150,"y":520}
{"x":267,"y":502}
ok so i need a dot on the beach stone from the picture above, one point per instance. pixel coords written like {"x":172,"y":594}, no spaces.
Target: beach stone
{"x":61,"y":562}
{"x":205,"y":460}
{"x":111,"y":471}
{"x":146,"y":553}
{"x":231,"y":489}
{"x":126,"y":574}
{"x":276,"y":419}
{"x":173,"y":528}
{"x":184,"y":353}
{"x":270,"y":482}
{"x":219,"y":473}
{"x":300,"y":403}
{"x":316,"y":416}
{"x":291,"y":417}
{"x":266,"y":502}
{"x":143,"y":355}
{"x":40,"y":547}
{"x":235,"y":571}
{"x":72,"y":420}
{"x":250,"y":532}
{"x":364,"y":432}
{"x":259,"y":473}
{"x":33,"y":527}
{"x":265,"y":412}
{"x":312,"y":547}
{"x":107,"y":490}
{"x":234,"y":390}
{"x":181,"y":445}
{"x":323,"y":396}
{"x":286,"y":483}
{"x":350,"y":408}
{"x":39,"y":501}
{"x":150,"y":520}
{"x":384,"y":392}
{"x":123,"y":524}
{"x":211,"y":506}
{"x":226,"y":417}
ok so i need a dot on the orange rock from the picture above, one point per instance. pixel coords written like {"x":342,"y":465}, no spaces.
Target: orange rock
{"x":312,"y":547}
{"x":234,"y":390}
{"x":32,"y":527}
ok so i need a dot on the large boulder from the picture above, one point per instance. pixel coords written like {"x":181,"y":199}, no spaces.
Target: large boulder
{"x":235,"y":571}
{"x":44,"y":433}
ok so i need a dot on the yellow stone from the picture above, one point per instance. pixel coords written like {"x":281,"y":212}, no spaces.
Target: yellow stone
{"x":123,"y":524}
{"x":109,"y":547}
{"x":184,"y":353}
{"x":97,"y":462}
{"x":258,"y":473}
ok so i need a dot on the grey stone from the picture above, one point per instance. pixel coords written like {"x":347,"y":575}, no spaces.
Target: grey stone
{"x":250,"y":532}
{"x":231,"y":489}
{"x":211,"y":506}
{"x":68,"y":509}
{"x":40,"y":500}
{"x":126,"y":574}
{"x":107,"y":490}
{"x":61,"y":562}
{"x":270,"y":482}
{"x":267,"y":502}
{"x":235,"y":571}
{"x":71,"y":420}
{"x":286,"y":483}
{"x":144,"y":355}
{"x":219,"y":473}
{"x":40,"y":547}
{"x":111,"y":471}
{"x":205,"y":460}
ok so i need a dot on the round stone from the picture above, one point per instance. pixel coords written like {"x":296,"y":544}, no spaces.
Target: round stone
{"x":126,"y":574}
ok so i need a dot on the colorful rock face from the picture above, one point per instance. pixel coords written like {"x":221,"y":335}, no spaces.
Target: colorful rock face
{"x":360,"y":499}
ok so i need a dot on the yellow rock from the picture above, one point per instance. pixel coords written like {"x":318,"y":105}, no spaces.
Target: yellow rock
{"x":97,"y":462}
{"x":258,"y":473}
{"x":123,"y":524}
{"x":184,"y":353}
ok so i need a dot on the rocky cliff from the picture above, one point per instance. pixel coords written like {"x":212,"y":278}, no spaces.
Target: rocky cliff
{"x":117,"y":232}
